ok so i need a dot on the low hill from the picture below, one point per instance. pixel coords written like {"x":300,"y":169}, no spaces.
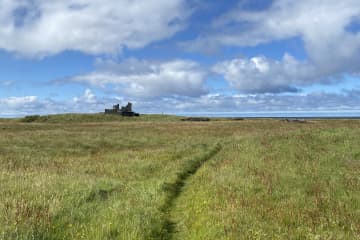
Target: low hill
{"x":97,"y":117}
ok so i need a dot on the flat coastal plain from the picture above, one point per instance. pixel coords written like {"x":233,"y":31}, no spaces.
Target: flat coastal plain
{"x":157,"y":177}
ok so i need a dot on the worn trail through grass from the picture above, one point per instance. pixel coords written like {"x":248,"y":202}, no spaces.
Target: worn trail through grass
{"x":99,"y":177}
{"x":174,"y":189}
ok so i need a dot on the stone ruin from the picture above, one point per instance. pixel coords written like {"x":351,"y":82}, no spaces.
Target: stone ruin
{"x":124,"y":111}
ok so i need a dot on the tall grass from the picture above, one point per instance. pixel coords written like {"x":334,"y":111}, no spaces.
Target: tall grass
{"x":277,"y":184}
{"x":158,"y":178}
{"x":92,"y":181}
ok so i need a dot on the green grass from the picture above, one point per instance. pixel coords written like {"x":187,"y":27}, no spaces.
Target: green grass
{"x":99,"y":117}
{"x":155,"y":177}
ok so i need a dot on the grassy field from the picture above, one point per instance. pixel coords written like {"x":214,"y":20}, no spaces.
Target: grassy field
{"x":156,"y":177}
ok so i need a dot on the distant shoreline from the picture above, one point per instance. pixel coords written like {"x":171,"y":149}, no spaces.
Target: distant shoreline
{"x":344,"y":117}
{"x":278,"y":115}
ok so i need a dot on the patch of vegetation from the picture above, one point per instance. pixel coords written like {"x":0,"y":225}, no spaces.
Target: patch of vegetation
{"x":174,"y":189}
{"x":196,"y":119}
{"x":277,"y":184}
{"x":31,"y":118}
{"x":96,"y":118}
{"x":156,"y":177}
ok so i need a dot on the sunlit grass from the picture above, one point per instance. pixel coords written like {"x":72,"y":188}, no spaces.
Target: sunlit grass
{"x":90,"y":177}
{"x":301,"y":184}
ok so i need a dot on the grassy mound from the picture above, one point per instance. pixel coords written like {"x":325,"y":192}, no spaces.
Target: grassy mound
{"x":97,"y":117}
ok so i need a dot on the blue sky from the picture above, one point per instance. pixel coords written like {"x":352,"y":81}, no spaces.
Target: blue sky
{"x":177,"y":56}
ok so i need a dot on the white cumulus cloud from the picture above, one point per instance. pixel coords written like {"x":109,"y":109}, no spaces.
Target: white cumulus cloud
{"x":210,"y":103}
{"x":18,"y":101}
{"x":88,"y":97}
{"x":326,"y":27}
{"x":147,"y":79}
{"x":41,"y":27}
{"x":261,"y":74}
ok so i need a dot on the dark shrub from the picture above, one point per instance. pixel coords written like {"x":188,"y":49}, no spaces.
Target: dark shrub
{"x":31,"y":118}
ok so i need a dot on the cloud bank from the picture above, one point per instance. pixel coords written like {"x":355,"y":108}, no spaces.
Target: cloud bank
{"x":211,"y":103}
{"x":37,"y":28}
{"x":148,"y":79}
{"x":327,"y":28}
{"x":261,"y":75}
